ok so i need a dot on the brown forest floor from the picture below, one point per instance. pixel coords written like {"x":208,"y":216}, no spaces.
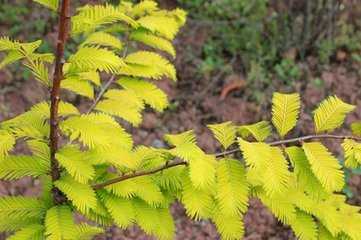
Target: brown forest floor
{"x":197,"y":105}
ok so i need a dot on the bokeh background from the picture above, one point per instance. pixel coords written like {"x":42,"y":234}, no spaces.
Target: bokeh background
{"x":232,"y":55}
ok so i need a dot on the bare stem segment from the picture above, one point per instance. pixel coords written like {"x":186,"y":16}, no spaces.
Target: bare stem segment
{"x":64,"y":20}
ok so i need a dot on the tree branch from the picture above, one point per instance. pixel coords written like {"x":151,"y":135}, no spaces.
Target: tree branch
{"x":64,"y":19}
{"x":168,"y":165}
{"x":179,"y":162}
{"x":298,"y":139}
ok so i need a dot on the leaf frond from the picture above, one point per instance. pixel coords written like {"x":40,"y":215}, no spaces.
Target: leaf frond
{"x":285,"y":111}
{"x":86,"y":232}
{"x":52,"y":4}
{"x":356,"y":128}
{"x":7,"y":142}
{"x":94,"y":130}
{"x":122,"y":103}
{"x":352,"y":151}
{"x":325,"y":166}
{"x":232,"y":187}
{"x":153,"y":41}
{"x":197,"y":202}
{"x":165,"y":26}
{"x":306,"y":179}
{"x":157,"y":65}
{"x":331,"y":114}
{"x":144,"y":7}
{"x":155,"y":221}
{"x":78,"y":86}
{"x":76,"y":163}
{"x":230,"y":227}
{"x":31,"y":232}
{"x":82,"y":195}
{"x":121,"y":210}
{"x":14,"y":167}
{"x":304,"y":226}
{"x":21,"y":207}
{"x":225,"y":133}
{"x":103,"y":39}
{"x":260,"y":131}
{"x":59,"y":223}
{"x":95,"y":59}
{"x":89,"y":18}
{"x":148,"y":92}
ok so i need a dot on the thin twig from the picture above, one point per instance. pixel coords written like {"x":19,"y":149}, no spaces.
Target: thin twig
{"x":179,"y":162}
{"x":107,"y":84}
{"x":298,"y":139}
{"x":101,"y":93}
{"x":55,"y":97}
{"x":168,"y":165}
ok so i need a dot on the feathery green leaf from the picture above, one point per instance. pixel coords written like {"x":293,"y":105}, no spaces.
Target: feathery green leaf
{"x":232,"y":187}
{"x":225,"y":133}
{"x":103,"y":39}
{"x":260,"y":131}
{"x":121,"y":210}
{"x":124,"y":104}
{"x":93,"y":130}
{"x":17,"y":166}
{"x":21,"y":207}
{"x":59,"y":223}
{"x":153,"y":41}
{"x":95,"y":58}
{"x":154,"y":221}
{"x":304,"y":226}
{"x":306,"y":179}
{"x":285,"y":111}
{"x":202,"y":171}
{"x":197,"y":202}
{"x":86,"y":232}
{"x":30,"y":232}
{"x":144,"y":7}
{"x":331,"y":114}
{"x":82,"y":195}
{"x":91,"y":17}
{"x":230,"y":227}
{"x":52,"y":4}
{"x":7,"y":142}
{"x":155,"y":63}
{"x":76,"y":163}
{"x":148,"y":92}
{"x":352,"y":151}
{"x":79,"y":86}
{"x":325,"y":166}
{"x":356,"y":128}
{"x":163,"y":25}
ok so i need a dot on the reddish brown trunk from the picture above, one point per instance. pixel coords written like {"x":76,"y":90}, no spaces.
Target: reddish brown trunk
{"x":64,"y":20}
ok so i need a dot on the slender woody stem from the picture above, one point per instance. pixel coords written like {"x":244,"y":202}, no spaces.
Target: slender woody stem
{"x":64,"y":20}
{"x":298,"y":139}
{"x":178,"y":162}
{"x":106,"y":85}
{"x":101,"y":93}
{"x":172,"y":164}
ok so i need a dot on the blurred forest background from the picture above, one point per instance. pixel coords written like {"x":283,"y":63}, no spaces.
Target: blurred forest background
{"x":232,"y":55}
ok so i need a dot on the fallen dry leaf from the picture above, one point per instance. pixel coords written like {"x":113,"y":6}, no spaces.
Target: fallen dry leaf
{"x":233,"y":82}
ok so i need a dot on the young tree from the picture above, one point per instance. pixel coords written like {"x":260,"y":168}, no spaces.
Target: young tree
{"x":88,"y":164}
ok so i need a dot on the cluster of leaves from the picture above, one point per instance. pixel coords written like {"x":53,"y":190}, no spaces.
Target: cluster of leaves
{"x":111,"y":39}
{"x":299,"y":185}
